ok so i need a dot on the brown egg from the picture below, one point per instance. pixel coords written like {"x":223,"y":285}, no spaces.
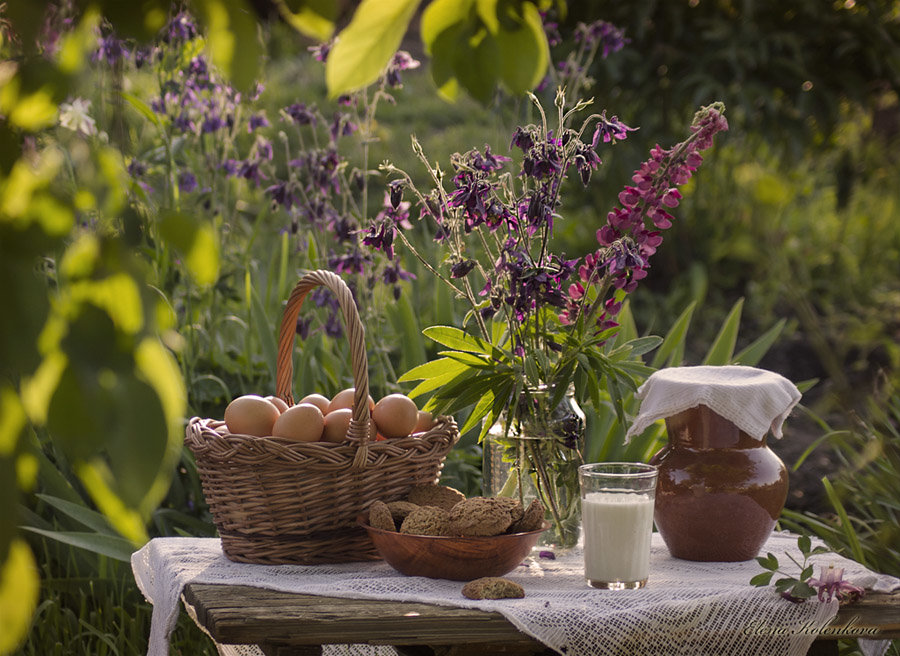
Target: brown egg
{"x":278,"y":403}
{"x":303,"y":422}
{"x":395,"y":415}
{"x":424,"y":422}
{"x":344,"y":399}
{"x":251,"y":415}
{"x":336,"y":424}
{"x":321,"y":402}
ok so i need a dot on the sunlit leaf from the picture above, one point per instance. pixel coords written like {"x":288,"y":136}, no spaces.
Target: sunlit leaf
{"x":439,"y":367}
{"x":19,"y":586}
{"x":97,"y":480}
{"x":196,"y":241}
{"x":12,"y":420}
{"x":314,"y":18}
{"x":441,"y":15}
{"x":523,"y":49}
{"x":232,"y":39}
{"x":366,"y":45}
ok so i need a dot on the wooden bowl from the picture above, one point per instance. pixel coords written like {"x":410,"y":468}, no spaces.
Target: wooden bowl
{"x":454,"y":558}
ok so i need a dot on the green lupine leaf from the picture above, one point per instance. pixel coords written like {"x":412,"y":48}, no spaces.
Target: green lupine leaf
{"x":468,"y":358}
{"x":643,"y":345}
{"x":439,"y":367}
{"x":458,"y":340}
{"x":481,"y":409}
{"x":804,"y":544}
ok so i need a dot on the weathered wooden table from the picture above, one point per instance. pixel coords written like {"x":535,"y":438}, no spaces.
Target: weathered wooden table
{"x":290,"y":624}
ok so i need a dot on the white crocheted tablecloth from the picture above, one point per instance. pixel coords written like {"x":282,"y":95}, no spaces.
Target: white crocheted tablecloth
{"x":687,"y":607}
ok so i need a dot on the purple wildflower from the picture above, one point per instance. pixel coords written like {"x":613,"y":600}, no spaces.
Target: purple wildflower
{"x":626,"y":241}
{"x":341,"y":126}
{"x":401,"y":61}
{"x":321,"y":51}
{"x":302,"y":114}
{"x":180,"y":28}
{"x":257,"y":121}
{"x":110,"y":50}
{"x":831,"y":585}
{"x":187,"y":182}
{"x":607,"y":36}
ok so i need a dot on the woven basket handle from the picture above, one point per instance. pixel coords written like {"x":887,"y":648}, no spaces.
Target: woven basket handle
{"x":356,"y":335}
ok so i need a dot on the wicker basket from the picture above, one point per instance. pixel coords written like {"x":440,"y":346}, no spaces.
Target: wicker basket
{"x":278,"y":501}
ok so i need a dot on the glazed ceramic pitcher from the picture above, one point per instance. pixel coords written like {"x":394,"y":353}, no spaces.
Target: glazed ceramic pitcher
{"x":719,"y":490}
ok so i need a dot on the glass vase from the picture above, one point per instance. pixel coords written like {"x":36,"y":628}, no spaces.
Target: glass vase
{"x":536,"y":455}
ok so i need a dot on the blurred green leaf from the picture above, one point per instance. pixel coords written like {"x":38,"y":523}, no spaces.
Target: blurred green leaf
{"x":364,"y":48}
{"x":314,"y":18}
{"x":523,"y":49}
{"x":196,"y":241}
{"x":233,"y":40}
{"x":19,"y":588}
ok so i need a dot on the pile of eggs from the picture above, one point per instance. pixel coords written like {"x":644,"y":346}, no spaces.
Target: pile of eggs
{"x":316,"y":418}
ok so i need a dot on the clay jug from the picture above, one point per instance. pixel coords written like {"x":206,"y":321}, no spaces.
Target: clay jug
{"x":719,"y":490}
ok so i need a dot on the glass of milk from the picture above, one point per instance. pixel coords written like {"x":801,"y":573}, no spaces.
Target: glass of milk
{"x":617,"y":517}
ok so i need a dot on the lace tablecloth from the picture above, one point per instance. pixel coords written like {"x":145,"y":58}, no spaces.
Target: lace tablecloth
{"x":687,"y":607}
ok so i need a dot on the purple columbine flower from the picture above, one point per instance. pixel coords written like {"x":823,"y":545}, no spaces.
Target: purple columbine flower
{"x":302,"y":114}
{"x":401,"y":61}
{"x":111,"y":49}
{"x":320,"y":52}
{"x":187,"y":182}
{"x":257,"y":121}
{"x":610,"y":38}
{"x":180,"y":28}
{"x":831,"y":585}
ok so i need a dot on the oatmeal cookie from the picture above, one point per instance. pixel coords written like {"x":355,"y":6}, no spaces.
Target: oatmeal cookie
{"x":532,"y":520}
{"x":493,"y":587}
{"x":426,"y":520}
{"x":480,"y":516}
{"x":440,"y":496}
{"x":380,"y":517}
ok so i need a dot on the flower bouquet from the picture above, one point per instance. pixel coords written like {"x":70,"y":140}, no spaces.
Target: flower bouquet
{"x":540,"y":327}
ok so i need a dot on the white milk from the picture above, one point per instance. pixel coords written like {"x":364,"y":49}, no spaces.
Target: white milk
{"x":617,"y":529}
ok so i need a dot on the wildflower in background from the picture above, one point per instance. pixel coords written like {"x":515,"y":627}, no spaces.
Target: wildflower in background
{"x":602,"y":34}
{"x":401,"y":61}
{"x":257,"y":120}
{"x":110,"y":49}
{"x":74,"y":116}
{"x":187,"y":182}
{"x":301,"y":114}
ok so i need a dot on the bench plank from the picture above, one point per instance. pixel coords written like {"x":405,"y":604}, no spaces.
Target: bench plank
{"x":278,"y":620}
